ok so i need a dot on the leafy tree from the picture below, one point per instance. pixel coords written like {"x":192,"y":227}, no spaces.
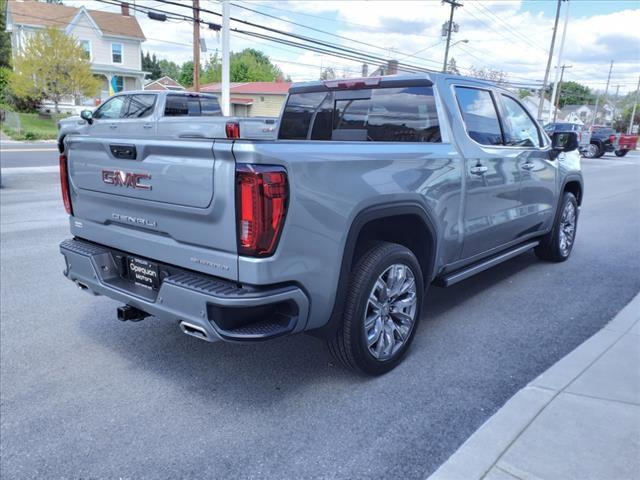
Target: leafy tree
{"x":52,"y":65}
{"x":328,"y":74}
{"x":251,"y":65}
{"x":151,"y":64}
{"x":573,"y":93}
{"x":212,"y":71}
{"x":169,"y":69}
{"x":185,"y":78}
{"x":5,"y":37}
{"x":497,"y":76}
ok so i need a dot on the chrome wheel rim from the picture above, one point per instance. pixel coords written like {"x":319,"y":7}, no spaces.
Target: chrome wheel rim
{"x":567,"y":228}
{"x":390,"y":314}
{"x":592,"y":150}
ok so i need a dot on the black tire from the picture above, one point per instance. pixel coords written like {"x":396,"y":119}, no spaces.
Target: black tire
{"x":594,"y":150}
{"x":349,"y":345}
{"x":620,"y":153}
{"x":550,"y":247}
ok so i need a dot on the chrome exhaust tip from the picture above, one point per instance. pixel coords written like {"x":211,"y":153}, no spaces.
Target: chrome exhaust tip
{"x":193,"y":330}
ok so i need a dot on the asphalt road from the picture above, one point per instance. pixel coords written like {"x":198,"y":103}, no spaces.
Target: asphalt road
{"x":39,"y":154}
{"x":85,"y":396}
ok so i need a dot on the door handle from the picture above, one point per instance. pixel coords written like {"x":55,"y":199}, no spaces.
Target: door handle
{"x":528,"y":166}
{"x":478,"y":170}
{"x":147,"y":125}
{"x":113,"y":125}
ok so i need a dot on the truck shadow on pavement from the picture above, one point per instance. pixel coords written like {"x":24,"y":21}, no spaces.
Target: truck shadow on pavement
{"x":265,"y":371}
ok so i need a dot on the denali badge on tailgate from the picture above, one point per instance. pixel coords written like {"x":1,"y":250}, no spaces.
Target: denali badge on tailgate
{"x":120,"y":178}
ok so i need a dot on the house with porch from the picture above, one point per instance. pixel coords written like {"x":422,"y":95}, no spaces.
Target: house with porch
{"x":112,"y":41}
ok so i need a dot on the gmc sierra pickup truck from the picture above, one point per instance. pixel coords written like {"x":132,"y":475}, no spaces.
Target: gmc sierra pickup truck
{"x":164,"y":114}
{"x":374,"y":189}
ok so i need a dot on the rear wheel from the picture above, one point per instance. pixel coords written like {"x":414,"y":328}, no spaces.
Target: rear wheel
{"x":381,"y":310}
{"x":556,"y":246}
{"x":620,"y":153}
{"x":593,"y":150}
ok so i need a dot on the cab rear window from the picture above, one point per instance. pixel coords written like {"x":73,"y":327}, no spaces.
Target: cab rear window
{"x":394,"y":114}
{"x":191,"y":106}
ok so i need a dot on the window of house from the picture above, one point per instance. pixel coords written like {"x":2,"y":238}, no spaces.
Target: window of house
{"x":116,"y":52}
{"x":480,"y":115}
{"x":86,"y":46}
{"x":519,"y":128}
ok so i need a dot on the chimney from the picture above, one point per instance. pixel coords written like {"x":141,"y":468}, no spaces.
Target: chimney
{"x":124,"y":8}
{"x":392,"y":67}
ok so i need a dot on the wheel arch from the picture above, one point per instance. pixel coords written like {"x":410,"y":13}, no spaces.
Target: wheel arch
{"x":574,"y":184}
{"x":365,"y":228}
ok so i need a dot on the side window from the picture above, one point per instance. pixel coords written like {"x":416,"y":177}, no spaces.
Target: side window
{"x":519,"y":128}
{"x":298,"y":114}
{"x":479,"y":115}
{"x":210,"y":107}
{"x":112,"y":108}
{"x":176,"y":106}
{"x":140,"y":106}
{"x":191,"y":106}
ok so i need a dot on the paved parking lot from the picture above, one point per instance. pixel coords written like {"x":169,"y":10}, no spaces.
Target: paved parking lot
{"x":85,"y":396}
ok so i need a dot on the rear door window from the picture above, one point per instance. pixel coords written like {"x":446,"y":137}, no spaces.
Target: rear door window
{"x":140,"y":105}
{"x":402,"y":114}
{"x":480,"y":115}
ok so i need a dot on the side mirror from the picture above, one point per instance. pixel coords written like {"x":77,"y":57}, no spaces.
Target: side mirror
{"x":564,"y":141}
{"x":87,"y":115}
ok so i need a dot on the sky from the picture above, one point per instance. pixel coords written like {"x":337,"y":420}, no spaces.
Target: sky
{"x":508,"y":35}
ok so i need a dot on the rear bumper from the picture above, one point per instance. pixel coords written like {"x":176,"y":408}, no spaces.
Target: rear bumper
{"x":211,"y":308}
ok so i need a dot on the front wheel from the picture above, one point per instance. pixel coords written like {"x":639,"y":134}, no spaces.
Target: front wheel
{"x":620,"y":153}
{"x":556,"y":246}
{"x":381,"y":311}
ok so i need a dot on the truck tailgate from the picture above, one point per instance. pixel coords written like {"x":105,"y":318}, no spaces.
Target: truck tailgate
{"x":166,"y":200}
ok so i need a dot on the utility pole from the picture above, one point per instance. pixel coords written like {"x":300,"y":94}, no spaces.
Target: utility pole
{"x":615,"y":104}
{"x":196,"y":45}
{"x":555,"y":82}
{"x":606,"y":90}
{"x":633,"y":110}
{"x":559,"y":90}
{"x":226,"y":61}
{"x":546,"y":73}
{"x":453,"y":5}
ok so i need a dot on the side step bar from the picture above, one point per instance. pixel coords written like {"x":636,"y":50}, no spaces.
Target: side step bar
{"x":463,"y":274}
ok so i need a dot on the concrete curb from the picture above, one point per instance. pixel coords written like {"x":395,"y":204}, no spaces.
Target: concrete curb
{"x":478,"y":457}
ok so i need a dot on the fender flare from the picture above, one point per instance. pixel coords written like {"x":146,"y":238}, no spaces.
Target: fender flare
{"x":366,"y":215}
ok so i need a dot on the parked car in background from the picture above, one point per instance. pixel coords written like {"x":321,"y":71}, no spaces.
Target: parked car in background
{"x":605,"y":140}
{"x":623,"y":143}
{"x":163,"y":114}
{"x":584,"y":136}
{"x":374,"y":189}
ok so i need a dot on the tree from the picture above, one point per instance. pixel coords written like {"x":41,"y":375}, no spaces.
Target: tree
{"x":185,"y":78}
{"x":497,"y":76}
{"x":152,"y":65}
{"x":5,"y":37}
{"x":328,"y":74}
{"x":169,"y":69}
{"x":52,"y":65}
{"x":212,"y":71}
{"x":453,"y":67}
{"x":574,"y":93}
{"x":251,"y":65}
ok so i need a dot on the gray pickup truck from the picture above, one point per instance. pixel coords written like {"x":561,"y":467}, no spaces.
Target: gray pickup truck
{"x":163,"y":114}
{"x":374,"y":189}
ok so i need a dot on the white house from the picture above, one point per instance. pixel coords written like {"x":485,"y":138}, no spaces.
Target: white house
{"x":112,"y":41}
{"x":532,"y":102}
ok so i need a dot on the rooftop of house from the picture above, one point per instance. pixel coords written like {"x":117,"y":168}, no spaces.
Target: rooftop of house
{"x":266,"y":88}
{"x":42,"y":14}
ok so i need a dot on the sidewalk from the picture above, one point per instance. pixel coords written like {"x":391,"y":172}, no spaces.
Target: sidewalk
{"x":578,"y":420}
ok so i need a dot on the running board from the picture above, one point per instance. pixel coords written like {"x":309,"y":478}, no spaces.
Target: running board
{"x":463,"y":274}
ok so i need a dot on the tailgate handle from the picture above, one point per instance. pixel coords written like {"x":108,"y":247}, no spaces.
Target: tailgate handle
{"x":125,"y":152}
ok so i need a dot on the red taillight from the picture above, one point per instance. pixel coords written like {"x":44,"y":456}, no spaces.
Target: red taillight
{"x":262,"y":192}
{"x":64,"y":185}
{"x":612,"y":138}
{"x":232,"y":129}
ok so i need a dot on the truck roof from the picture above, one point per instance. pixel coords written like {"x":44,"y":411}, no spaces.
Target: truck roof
{"x":167,"y":92}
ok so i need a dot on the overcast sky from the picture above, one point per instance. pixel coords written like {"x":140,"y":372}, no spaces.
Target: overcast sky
{"x":512,"y":36}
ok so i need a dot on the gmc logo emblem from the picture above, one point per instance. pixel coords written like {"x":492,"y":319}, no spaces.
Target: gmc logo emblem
{"x":126,"y":179}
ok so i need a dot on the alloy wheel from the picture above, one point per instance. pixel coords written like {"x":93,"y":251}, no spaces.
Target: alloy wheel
{"x":567,"y":228}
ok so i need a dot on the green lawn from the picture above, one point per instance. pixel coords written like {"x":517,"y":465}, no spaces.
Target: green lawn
{"x":31,"y":126}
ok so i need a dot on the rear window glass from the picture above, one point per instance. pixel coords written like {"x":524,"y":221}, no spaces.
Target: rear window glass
{"x":403,"y":114}
{"x":480,"y":115}
{"x":191,"y":106}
